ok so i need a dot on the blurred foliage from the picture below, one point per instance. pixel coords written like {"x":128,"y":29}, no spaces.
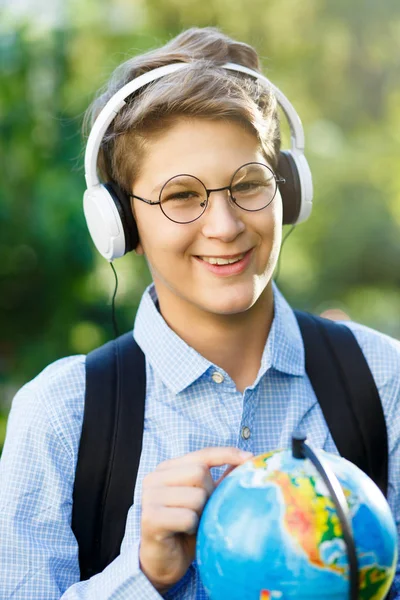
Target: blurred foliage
{"x":338,"y":62}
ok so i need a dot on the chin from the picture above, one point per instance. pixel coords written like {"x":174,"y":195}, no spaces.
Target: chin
{"x":230,"y":306}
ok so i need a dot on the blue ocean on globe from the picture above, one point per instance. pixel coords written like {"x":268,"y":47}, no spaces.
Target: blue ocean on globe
{"x":271,"y":531}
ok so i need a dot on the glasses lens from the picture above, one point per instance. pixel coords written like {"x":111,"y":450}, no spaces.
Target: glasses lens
{"x":183,"y":199}
{"x":253,"y":186}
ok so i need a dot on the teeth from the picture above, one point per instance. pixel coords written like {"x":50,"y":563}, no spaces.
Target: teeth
{"x":221,"y":261}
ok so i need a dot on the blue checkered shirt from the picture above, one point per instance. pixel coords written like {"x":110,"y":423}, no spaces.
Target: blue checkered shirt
{"x":188,"y":407}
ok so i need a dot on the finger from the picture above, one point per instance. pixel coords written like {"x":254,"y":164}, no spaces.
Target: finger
{"x":178,"y":497}
{"x":211,"y":457}
{"x":158,"y":523}
{"x":188,"y":475}
{"x":228,"y":470}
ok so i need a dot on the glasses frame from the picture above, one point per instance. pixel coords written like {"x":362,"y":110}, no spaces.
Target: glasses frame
{"x":278,"y":180}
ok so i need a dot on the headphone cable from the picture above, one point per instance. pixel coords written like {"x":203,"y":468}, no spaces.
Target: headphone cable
{"x":278,"y":269}
{"x":113,"y":315}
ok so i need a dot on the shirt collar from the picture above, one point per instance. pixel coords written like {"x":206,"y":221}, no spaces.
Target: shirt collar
{"x":284,"y":350}
{"x":179,"y":365}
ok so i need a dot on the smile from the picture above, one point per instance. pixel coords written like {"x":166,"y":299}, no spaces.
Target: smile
{"x":226,"y":266}
{"x":218,"y":260}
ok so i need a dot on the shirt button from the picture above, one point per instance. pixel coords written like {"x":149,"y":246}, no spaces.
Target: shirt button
{"x":246,"y":433}
{"x":217,"y":377}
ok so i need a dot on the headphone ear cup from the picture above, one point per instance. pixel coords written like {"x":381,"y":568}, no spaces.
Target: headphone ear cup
{"x":291,"y":189}
{"x":104,"y":223}
{"x":123,"y":205}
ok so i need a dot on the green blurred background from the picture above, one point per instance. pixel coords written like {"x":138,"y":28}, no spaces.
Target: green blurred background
{"x":338,"y":62}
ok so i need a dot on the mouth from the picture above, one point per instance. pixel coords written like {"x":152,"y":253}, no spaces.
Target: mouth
{"x":232,"y":264}
{"x":222,"y":260}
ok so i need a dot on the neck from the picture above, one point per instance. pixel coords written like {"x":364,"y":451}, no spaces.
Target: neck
{"x":235,"y":343}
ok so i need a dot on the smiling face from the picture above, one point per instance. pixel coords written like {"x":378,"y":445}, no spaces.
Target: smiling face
{"x":182,"y":257}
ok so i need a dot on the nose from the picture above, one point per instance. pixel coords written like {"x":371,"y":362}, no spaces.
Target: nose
{"x":222,"y":219}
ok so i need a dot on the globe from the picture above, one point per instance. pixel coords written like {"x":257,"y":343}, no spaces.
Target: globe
{"x":270,"y":530}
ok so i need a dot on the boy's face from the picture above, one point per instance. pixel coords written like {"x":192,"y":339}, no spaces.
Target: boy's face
{"x":211,"y":151}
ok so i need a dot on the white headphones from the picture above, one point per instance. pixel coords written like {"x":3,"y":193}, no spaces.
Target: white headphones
{"x":107,"y":207}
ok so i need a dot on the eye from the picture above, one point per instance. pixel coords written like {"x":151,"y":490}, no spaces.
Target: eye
{"x":182,"y":196}
{"x":249,"y":186}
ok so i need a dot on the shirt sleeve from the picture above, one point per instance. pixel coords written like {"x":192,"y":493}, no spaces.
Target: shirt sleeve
{"x":38,"y":551}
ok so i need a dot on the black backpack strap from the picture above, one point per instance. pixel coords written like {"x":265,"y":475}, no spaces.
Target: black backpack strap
{"x":347,"y":394}
{"x":109,"y":451}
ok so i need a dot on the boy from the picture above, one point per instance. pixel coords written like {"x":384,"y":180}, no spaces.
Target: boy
{"x":193,"y":167}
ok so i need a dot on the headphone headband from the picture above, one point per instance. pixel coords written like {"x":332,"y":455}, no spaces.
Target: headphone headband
{"x":295,"y":124}
{"x":110,"y":111}
{"x":116,"y":102}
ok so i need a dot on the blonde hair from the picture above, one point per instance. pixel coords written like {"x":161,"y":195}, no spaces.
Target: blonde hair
{"x":203,"y":90}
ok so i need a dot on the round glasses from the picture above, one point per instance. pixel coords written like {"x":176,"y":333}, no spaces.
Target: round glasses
{"x":184,"y":198}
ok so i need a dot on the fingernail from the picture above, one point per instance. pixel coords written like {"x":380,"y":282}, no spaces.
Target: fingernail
{"x":245,"y":454}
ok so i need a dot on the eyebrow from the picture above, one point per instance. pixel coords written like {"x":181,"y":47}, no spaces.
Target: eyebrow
{"x":158,"y":187}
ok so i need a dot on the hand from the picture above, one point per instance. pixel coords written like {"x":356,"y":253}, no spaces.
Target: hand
{"x":173,"y":499}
